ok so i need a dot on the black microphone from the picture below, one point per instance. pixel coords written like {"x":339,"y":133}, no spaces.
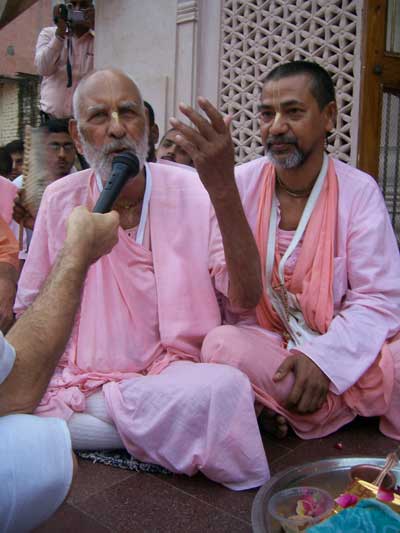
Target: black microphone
{"x":124,"y":166}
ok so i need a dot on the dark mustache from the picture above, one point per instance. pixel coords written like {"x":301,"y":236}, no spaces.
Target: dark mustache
{"x":281,"y":139}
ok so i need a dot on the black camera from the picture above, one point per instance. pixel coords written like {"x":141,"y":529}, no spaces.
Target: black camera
{"x":70,"y":15}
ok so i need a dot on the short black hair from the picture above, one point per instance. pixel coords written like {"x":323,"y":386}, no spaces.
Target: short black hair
{"x":56,"y":125}
{"x":14,"y":146}
{"x":165,"y":134}
{"x":6,"y":162}
{"x":322,"y":87}
{"x":151,"y":113}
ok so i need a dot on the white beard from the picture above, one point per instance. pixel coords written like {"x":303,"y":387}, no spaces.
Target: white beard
{"x":100,"y":160}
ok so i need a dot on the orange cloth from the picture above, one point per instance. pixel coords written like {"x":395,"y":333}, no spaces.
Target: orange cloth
{"x":312,"y":278}
{"x":8,"y":245}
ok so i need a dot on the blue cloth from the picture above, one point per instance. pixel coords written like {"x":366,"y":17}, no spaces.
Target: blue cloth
{"x":367,"y":516}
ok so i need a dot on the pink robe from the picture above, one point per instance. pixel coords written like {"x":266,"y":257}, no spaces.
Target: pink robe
{"x":366,"y":291}
{"x":142,"y":321}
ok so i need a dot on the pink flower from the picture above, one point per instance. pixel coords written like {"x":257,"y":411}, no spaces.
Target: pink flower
{"x":346,"y":500}
{"x":309,"y":506}
{"x":385,"y":495}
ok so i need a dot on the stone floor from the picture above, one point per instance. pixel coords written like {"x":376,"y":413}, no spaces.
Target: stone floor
{"x":106,"y":499}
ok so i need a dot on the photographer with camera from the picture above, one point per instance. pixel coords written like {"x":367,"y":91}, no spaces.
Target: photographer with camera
{"x":64,"y":54}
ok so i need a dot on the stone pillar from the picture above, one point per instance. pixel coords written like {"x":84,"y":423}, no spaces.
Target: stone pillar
{"x":140,"y":38}
{"x":186,"y":53}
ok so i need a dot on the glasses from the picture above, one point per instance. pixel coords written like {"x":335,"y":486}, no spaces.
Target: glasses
{"x":56,"y":147}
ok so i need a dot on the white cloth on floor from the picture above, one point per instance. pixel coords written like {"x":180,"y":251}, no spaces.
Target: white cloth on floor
{"x":36,"y":470}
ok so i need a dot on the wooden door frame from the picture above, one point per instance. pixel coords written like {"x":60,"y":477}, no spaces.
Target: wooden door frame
{"x":373,"y":81}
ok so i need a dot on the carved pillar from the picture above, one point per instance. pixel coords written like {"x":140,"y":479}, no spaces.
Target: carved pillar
{"x":186,"y":53}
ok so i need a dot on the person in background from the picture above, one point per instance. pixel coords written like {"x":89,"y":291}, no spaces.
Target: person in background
{"x":16,"y":151}
{"x":154,"y":133}
{"x":6,"y":163}
{"x":169,"y":150}
{"x":63,"y":65}
{"x":59,"y":158}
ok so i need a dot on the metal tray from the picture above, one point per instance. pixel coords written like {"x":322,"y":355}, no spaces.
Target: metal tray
{"x":329,"y":474}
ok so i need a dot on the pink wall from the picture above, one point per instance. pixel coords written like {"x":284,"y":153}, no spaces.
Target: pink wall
{"x":21,"y":34}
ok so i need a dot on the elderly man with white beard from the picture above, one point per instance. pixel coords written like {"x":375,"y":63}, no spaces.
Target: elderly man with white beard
{"x":130,"y":376}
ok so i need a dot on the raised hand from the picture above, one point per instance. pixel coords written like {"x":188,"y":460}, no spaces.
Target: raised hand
{"x":61,"y":23}
{"x":209,"y":144}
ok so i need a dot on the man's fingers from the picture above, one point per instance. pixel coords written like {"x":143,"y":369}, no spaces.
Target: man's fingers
{"x":295,"y":394}
{"x":213,"y":114}
{"x":228,"y":121}
{"x":204,"y":128}
{"x":189,"y":134}
{"x":322,"y":398}
{"x":113,"y":217}
{"x":284,"y":368}
{"x":187,"y":146}
{"x":309,"y":400}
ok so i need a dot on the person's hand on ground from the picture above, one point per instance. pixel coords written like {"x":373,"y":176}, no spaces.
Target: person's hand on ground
{"x":310,"y":387}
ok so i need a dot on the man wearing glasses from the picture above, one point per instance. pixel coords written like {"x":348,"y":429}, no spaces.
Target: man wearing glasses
{"x":59,"y":159}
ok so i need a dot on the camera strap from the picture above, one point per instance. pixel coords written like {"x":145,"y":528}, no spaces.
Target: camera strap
{"x":69,"y":66}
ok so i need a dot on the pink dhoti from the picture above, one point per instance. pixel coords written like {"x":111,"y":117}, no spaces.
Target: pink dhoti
{"x":259,"y":353}
{"x":192,"y":417}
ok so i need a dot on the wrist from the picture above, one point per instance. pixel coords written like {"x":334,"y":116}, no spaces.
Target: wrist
{"x":75,"y":256}
{"x":225,"y":196}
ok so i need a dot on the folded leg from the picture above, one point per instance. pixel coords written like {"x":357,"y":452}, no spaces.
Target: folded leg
{"x":192,"y":417}
{"x":258,"y":353}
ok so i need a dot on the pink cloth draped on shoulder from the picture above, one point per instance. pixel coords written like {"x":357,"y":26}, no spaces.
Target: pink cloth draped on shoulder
{"x":312,"y":277}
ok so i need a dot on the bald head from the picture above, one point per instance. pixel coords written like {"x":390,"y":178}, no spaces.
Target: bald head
{"x":100,"y":80}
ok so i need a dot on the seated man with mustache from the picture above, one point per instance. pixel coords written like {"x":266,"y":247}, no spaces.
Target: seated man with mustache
{"x":169,"y":150}
{"x":130,"y":376}
{"x":323,"y":344}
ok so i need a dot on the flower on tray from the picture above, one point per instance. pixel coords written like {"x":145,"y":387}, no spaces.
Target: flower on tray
{"x":310,"y":505}
{"x":385,"y":495}
{"x":346,"y":500}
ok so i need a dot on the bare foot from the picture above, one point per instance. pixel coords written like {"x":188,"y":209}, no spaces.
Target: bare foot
{"x":273,"y":423}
